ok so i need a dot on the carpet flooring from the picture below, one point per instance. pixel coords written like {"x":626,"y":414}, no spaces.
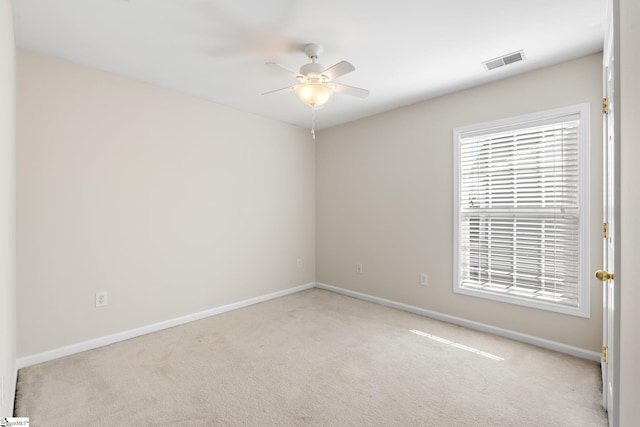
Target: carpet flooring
{"x":314,"y":358}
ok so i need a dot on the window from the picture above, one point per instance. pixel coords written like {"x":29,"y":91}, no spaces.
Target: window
{"x":521,"y":210}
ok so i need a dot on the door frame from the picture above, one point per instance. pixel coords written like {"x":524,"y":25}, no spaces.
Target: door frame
{"x":611,"y":173}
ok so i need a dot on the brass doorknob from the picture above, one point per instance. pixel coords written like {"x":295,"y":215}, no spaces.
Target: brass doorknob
{"x":603,"y":276}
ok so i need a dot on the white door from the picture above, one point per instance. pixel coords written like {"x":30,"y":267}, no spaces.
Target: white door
{"x":607,"y":274}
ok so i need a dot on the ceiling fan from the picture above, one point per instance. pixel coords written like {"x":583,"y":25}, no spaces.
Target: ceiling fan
{"x":316,"y":83}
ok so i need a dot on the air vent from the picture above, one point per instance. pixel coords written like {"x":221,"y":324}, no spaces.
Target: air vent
{"x":504,"y":60}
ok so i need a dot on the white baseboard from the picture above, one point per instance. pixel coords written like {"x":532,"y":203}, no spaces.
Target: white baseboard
{"x":125,"y":335}
{"x":516,"y":336}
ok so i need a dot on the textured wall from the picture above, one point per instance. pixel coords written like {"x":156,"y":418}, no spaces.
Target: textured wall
{"x":629,"y":63}
{"x":7,"y":210}
{"x":171,"y":204}
{"x":384,"y":189}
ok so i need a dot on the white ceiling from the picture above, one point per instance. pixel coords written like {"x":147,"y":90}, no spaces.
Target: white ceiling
{"x":404,"y":51}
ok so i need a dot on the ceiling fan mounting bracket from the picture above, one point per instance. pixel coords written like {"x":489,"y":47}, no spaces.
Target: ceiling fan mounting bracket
{"x":313,"y":50}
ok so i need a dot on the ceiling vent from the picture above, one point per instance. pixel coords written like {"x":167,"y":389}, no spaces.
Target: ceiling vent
{"x":501,"y":61}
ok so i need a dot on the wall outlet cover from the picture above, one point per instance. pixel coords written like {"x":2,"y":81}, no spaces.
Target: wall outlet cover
{"x":424,"y":279}
{"x":101,"y":299}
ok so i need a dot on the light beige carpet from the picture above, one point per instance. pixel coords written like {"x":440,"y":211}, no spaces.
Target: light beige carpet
{"x":314,"y":358}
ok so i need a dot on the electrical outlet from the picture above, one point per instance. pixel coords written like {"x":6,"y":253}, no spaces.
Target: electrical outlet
{"x":299,"y":262}
{"x":424,"y":279}
{"x":101,"y":299}
{"x":359,"y":269}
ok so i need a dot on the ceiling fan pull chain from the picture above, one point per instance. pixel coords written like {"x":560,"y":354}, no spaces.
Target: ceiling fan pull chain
{"x":313,"y":122}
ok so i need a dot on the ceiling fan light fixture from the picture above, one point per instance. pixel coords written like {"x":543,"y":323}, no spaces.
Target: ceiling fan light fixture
{"x":314,"y":94}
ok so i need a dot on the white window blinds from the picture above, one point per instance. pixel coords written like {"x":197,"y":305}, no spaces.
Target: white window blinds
{"x":519,"y":212}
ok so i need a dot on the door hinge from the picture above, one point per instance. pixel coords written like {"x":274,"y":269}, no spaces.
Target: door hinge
{"x":605,"y":105}
{"x":605,"y":354}
{"x":605,"y":230}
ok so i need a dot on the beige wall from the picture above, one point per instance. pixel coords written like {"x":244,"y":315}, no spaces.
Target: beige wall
{"x":7,"y":210}
{"x":171,"y":204}
{"x":384,"y":190}
{"x":630,"y":206}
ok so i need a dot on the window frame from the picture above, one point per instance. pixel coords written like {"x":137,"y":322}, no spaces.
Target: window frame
{"x":524,"y":121}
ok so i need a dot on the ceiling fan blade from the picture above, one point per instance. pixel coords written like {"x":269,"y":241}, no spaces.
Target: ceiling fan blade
{"x":350,"y":90}
{"x":284,"y":89}
{"x":339,"y":69}
{"x":279,"y":67}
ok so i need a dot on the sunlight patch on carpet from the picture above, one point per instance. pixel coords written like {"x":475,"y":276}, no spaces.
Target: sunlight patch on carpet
{"x":457,"y":345}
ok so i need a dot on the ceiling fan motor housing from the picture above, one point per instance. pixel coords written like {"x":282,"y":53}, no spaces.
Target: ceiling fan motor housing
{"x":312,"y":68}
